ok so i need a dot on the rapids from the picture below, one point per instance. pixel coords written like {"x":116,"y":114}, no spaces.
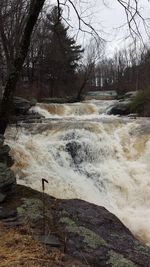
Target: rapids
{"x":85,"y":153}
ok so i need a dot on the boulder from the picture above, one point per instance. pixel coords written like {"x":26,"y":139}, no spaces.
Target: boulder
{"x":84,"y":231}
{"x":74,"y":149}
{"x":1,"y":140}
{"x":21,"y":105}
{"x":7,"y":179}
{"x":130,"y":95}
{"x":95,"y":234}
{"x":120,"y":108}
{"x":4,"y":155}
{"x":2,"y":197}
{"x":5,"y":214}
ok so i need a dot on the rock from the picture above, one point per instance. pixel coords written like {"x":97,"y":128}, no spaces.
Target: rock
{"x":2,"y":197}
{"x":50,"y":240}
{"x":130,"y":95}
{"x":21,"y":105}
{"x":4,"y":214}
{"x":7,"y":179}
{"x":13,"y":224}
{"x":133,"y":115}
{"x":74,"y":149}
{"x":31,"y":208}
{"x":29,"y":117}
{"x":11,"y":219}
{"x":88,"y":232}
{"x":1,"y":140}
{"x":4,"y":155}
{"x":120,"y":108}
{"x":102,"y":238}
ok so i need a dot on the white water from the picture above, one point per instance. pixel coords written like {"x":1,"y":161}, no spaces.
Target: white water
{"x":86,"y":154}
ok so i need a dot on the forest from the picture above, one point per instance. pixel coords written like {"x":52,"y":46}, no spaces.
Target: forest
{"x":58,"y":66}
{"x":40,"y":58}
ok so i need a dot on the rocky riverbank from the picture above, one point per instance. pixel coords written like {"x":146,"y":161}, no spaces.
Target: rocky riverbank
{"x":84,"y":232}
{"x":7,"y":178}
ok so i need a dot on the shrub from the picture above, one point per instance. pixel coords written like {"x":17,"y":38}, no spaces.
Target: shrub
{"x":141,"y":103}
{"x":33,"y":102}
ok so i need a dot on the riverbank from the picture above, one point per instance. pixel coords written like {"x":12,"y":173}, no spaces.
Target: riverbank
{"x":77,"y":234}
{"x":18,"y":248}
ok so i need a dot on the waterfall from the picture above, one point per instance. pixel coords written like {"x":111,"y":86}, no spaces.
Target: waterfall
{"x":75,"y":110}
{"x":87,"y":154}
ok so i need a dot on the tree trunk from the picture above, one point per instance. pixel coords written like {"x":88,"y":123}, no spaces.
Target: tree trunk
{"x":81,"y":90}
{"x":87,"y":74}
{"x":7,"y":101}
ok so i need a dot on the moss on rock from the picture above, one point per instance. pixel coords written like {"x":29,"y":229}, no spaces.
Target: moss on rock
{"x":31,"y":208}
{"x":117,"y":260}
{"x":142,"y":248}
{"x":93,"y":240}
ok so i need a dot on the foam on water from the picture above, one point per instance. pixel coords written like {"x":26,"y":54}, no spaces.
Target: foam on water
{"x":104,"y":161}
{"x":74,"y":110}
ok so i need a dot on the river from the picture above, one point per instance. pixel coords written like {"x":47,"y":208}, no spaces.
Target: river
{"x":85,"y":153}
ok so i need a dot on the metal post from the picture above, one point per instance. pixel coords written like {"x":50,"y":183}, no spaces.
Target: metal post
{"x":43,"y":189}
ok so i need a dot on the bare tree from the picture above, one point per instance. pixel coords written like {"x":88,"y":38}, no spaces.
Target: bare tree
{"x":87,"y":71}
{"x":6,"y":104}
{"x":12,"y":23}
{"x":17,"y":56}
{"x":135,"y":18}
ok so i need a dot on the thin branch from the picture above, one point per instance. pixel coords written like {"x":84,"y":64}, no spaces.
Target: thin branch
{"x":133,"y":16}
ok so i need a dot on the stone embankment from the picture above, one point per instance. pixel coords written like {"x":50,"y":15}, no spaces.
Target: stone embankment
{"x":7,"y":178}
{"x":87,"y":233}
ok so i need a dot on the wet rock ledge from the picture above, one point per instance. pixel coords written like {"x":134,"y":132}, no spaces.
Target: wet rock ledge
{"x":84,"y":231}
{"x":7,"y":178}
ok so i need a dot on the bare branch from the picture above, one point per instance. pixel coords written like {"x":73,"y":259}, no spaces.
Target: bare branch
{"x":134,"y":17}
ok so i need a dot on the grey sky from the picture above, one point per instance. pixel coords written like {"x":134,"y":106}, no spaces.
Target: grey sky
{"x":107,"y":19}
{"x":114,"y":16}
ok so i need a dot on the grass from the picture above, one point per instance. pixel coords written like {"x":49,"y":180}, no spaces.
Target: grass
{"x":19,"y":249}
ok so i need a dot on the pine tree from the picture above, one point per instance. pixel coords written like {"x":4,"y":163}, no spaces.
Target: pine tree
{"x":61,"y":56}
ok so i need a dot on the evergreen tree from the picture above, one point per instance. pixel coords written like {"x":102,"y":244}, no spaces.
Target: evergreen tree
{"x":61,"y":56}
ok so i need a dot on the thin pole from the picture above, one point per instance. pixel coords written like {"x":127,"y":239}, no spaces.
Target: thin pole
{"x":44,"y":210}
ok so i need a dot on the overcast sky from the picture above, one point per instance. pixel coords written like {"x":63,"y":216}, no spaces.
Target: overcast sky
{"x":106,"y":20}
{"x":114,"y":16}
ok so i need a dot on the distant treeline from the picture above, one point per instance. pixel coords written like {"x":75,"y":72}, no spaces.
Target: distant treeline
{"x":127,"y":70}
{"x":56,"y":66}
